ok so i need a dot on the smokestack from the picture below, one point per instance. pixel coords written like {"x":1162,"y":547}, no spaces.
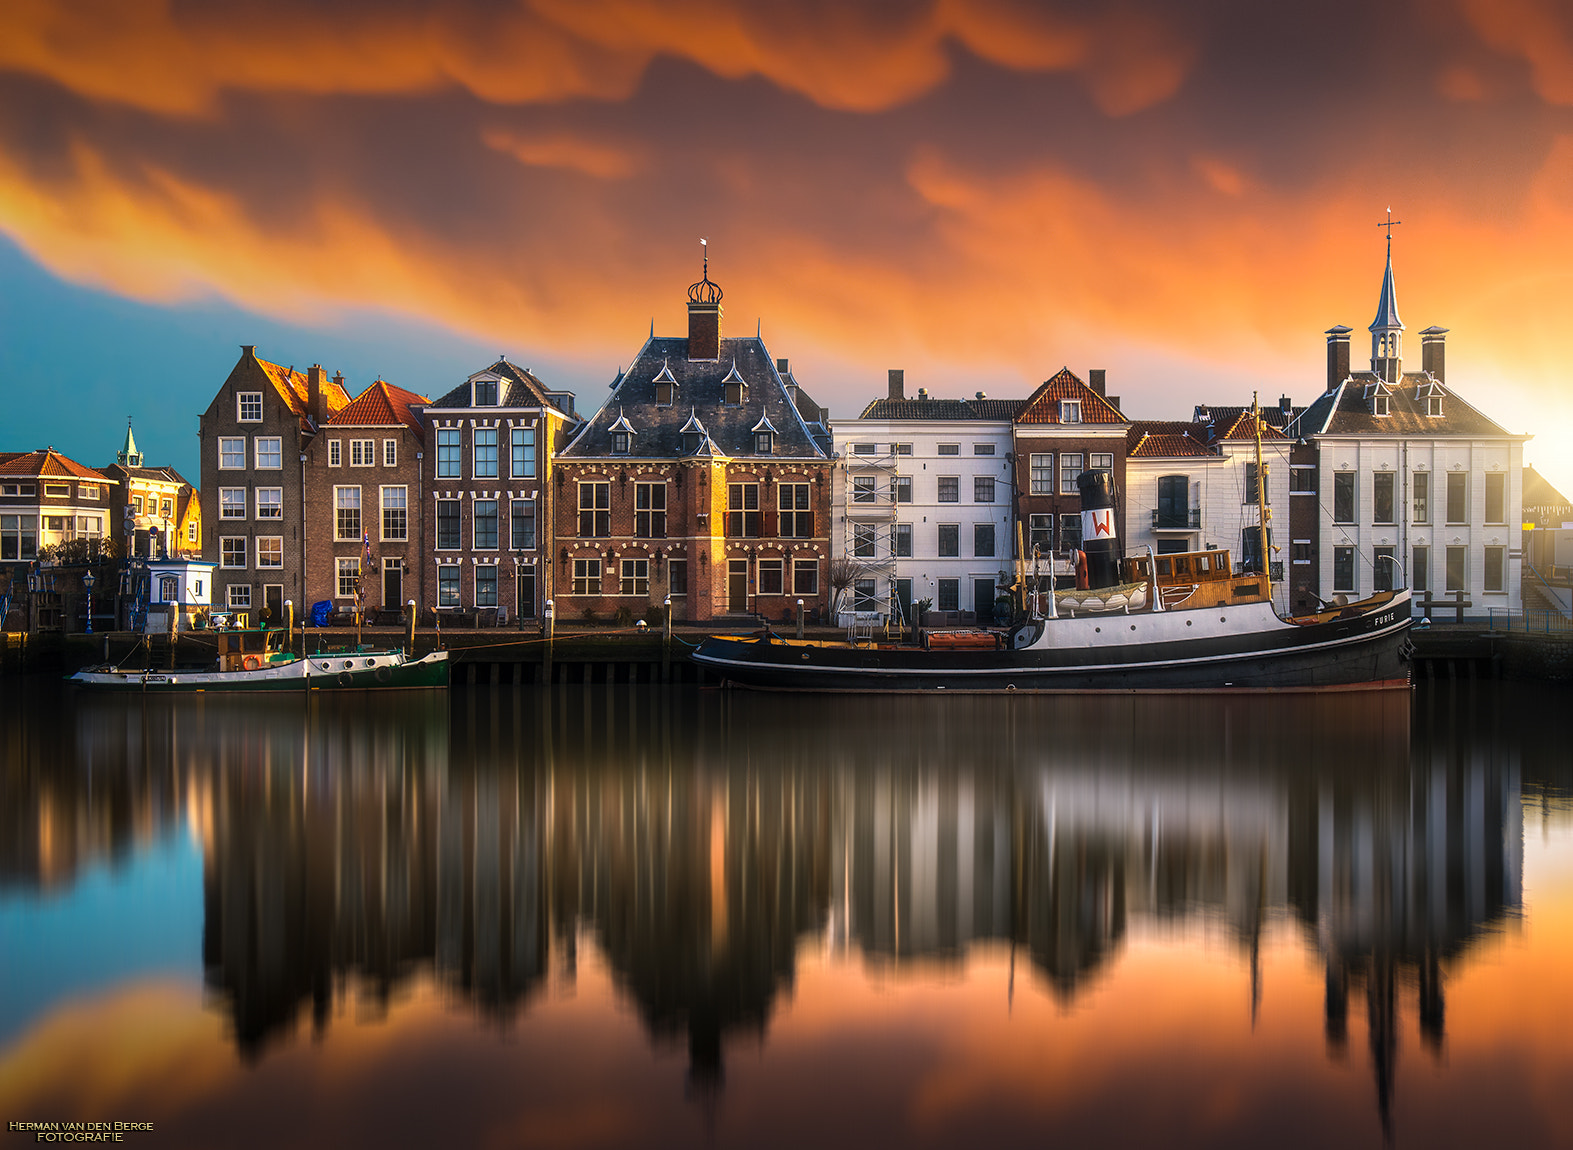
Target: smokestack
{"x":1097,"y":379}
{"x":316,"y":405}
{"x":1337,"y":355}
{"x":898,"y":385}
{"x":1433,"y":352}
{"x":1100,"y":539}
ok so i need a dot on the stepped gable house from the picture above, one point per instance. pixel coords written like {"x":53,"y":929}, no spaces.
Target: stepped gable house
{"x":490,"y":444}
{"x":705,"y":476}
{"x":363,"y":484}
{"x":254,"y":438}
{"x":1065,"y":427}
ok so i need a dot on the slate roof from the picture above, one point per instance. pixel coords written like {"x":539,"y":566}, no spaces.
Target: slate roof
{"x":699,"y":392}
{"x":153,"y":474}
{"x":1345,"y":411}
{"x":1542,"y":500}
{"x":381,"y":405}
{"x":1158,"y":439}
{"x":47,"y":463}
{"x":1043,"y":405}
{"x":943,"y":409}
{"x":1272,"y":416}
{"x":518,"y":388}
{"x":1239,"y":428}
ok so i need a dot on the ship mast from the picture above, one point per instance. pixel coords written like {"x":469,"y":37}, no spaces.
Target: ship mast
{"x":1261,"y":495}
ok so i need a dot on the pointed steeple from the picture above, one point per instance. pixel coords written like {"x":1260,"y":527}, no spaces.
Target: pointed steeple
{"x":1387,"y":329}
{"x":129,"y":455}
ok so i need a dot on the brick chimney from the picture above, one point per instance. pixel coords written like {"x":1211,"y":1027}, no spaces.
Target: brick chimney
{"x":898,"y":384}
{"x":316,"y":402}
{"x":1097,"y":379}
{"x":1337,"y":355}
{"x":1433,"y":352}
{"x":704,"y":316}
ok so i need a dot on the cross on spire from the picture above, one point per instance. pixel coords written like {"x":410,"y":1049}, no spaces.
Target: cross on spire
{"x":1390,"y":224}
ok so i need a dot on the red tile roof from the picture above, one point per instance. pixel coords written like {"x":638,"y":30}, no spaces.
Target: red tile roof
{"x":47,"y":463}
{"x":1157,"y":439}
{"x":380,"y":405}
{"x":1043,"y":405}
{"x":295,"y":389}
{"x":1244,"y":427}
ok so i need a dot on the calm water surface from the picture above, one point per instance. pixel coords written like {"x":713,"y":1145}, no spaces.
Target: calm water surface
{"x":626,"y":916}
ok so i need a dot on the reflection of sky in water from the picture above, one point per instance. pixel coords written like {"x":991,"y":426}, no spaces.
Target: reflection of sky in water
{"x":140,"y":916}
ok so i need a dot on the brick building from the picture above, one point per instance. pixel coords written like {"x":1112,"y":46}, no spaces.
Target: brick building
{"x":254,"y":437}
{"x":705,"y":476}
{"x":491,"y":443}
{"x":363,"y":495}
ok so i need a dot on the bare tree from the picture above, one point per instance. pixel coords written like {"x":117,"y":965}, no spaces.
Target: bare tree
{"x":843,"y":572}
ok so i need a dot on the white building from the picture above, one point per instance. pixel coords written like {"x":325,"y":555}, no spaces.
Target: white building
{"x":923,"y":501}
{"x":1413,"y":485}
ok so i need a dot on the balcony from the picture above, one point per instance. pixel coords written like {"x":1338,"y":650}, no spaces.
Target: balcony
{"x":1163,"y":520}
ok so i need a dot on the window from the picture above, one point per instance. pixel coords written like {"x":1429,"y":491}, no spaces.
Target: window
{"x":448,"y":585}
{"x":949,"y":540}
{"x":270,"y":503}
{"x":983,"y":449}
{"x":390,"y":452}
{"x":636,"y":577}
{"x":363,"y":452}
{"x":864,"y":536}
{"x":447,"y":453}
{"x":949,"y":489}
{"x":166,"y":507}
{"x":238,"y":596}
{"x":983,"y":540}
{"x":619,"y":443}
{"x":1101,"y":461}
{"x":1302,"y":479}
{"x":742,"y":510}
{"x":349,"y":576}
{"x":169,"y":588}
{"x":90,"y":491}
{"x":1250,"y":483}
{"x":950,"y":449}
{"x":485,"y":448}
{"x":1422,"y":488}
{"x":797,"y":521}
{"x":395,"y":514}
{"x":231,"y":453}
{"x":949,"y":597}
{"x":521,"y":447}
{"x":1070,"y":411}
{"x":191,"y":531}
{"x":805,"y":576}
{"x":486,"y":393}
{"x":901,"y":488}
{"x":1042,"y":532}
{"x":270,"y":551}
{"x":231,"y":503}
{"x":483,"y":523}
{"x":762,"y":443}
{"x":862,"y":489}
{"x":18,"y":537}
{"x":1344,"y":497}
{"x":863,"y":595}
{"x":1070,"y":468}
{"x":1434,"y":405}
{"x":1070,"y":531}
{"x":448,"y":525}
{"x":248,"y":407}
{"x":595,"y":510}
{"x":270,"y":453}
{"x":586,"y":576}
{"x":983,"y":489}
{"x":901,"y":448}
{"x":1496,"y":497}
{"x":232,"y":551}
{"x":1251,"y":548}
{"x":1495,"y":568}
{"x":1174,"y":499}
{"x":676,"y":577}
{"x":1458,"y":568}
{"x":901,"y":540}
{"x":63,"y":491}
{"x":1420,"y":570}
{"x":1457,"y":497}
{"x":523,"y":524}
{"x":770,"y":577}
{"x":486,"y":585}
{"x":650,"y":510}
{"x":1384,"y":568}
{"x":1300,"y":551}
{"x":1343,"y":568}
{"x":864,"y":448}
{"x":1379,"y":405}
{"x":1042,"y":475}
{"x":346,"y":506}
{"x":1383,"y":506}
{"x":335,"y":453}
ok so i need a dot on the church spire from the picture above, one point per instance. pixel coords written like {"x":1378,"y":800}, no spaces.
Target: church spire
{"x":129,"y":455}
{"x":1387,"y":329}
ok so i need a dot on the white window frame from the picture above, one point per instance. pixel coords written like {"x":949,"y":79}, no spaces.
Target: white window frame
{"x":382,"y":513}
{"x":390,"y":452}
{"x":346,"y":565}
{"x":231,"y":499}
{"x":339,"y":534}
{"x":257,"y":445}
{"x":1070,"y":411}
{"x":1040,"y":473}
{"x":232,"y":448}
{"x":241,"y":400}
{"x":226,"y":545}
{"x":1100,"y":460}
{"x":278,"y":549}
{"x":237,"y":596}
{"x":521,"y":439}
{"x":275,"y":501}
{"x":335,"y":453}
{"x":1068,"y":476}
{"x":363,"y":453}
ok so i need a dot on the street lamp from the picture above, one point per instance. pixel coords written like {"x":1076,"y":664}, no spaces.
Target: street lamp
{"x":87,"y":581}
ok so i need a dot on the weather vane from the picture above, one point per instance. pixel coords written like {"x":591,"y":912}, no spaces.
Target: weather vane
{"x":1390,"y":224}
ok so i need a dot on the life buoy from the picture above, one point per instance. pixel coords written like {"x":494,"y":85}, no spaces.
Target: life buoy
{"x":1081,"y":571}
{"x":384,"y":674}
{"x":251,"y":662}
{"x":346,"y":679}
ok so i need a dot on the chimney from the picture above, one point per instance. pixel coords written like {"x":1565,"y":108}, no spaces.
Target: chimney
{"x":981,"y":396}
{"x":250,"y":350}
{"x":1285,"y":405}
{"x":704,"y":315}
{"x":316,"y":405}
{"x":1114,"y":401}
{"x":1097,"y":379}
{"x":1337,"y":355}
{"x":1433,"y":352}
{"x":782,"y":369}
{"x":898,"y":385}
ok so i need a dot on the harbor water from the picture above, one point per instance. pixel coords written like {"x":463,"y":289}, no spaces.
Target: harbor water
{"x":645,"y":915}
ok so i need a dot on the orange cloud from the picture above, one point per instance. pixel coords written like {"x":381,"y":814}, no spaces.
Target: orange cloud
{"x":563,"y":151}
{"x":1539,"y":31}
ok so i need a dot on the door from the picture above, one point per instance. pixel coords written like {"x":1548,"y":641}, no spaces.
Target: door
{"x":904,"y":599}
{"x":983,"y":599}
{"x":392,"y":584}
{"x":737,"y":584}
{"x":524,"y":604}
{"x":273,"y":600}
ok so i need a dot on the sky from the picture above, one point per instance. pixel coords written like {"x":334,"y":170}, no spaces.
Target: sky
{"x":976,"y":191}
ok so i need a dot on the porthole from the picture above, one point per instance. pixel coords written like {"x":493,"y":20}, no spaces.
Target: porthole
{"x":1097,"y":630}
{"x":1221,"y":619}
{"x":1187,"y":622}
{"x":348,"y":664}
{"x":1133,"y":626}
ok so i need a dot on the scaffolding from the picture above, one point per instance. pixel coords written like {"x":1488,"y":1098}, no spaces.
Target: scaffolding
{"x":868,"y":517}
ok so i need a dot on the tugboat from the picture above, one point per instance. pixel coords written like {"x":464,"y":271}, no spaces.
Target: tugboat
{"x":255,"y":659}
{"x":1170,"y":623}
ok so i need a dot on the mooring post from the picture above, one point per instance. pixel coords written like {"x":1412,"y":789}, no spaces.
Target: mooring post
{"x":289,"y":625}
{"x":800,"y":618}
{"x":549,"y":624}
{"x":409,"y":629}
{"x":666,"y":640}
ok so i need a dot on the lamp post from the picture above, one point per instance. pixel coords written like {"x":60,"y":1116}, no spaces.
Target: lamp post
{"x":87,"y":581}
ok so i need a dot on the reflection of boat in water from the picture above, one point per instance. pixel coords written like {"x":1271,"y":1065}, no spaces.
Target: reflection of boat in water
{"x":256,"y":659}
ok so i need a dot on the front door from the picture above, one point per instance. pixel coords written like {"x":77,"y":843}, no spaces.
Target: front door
{"x":737,"y":584}
{"x":273,"y":600}
{"x":525,"y":602}
{"x":983,"y":599}
{"x":904,"y":599}
{"x":392,"y":584}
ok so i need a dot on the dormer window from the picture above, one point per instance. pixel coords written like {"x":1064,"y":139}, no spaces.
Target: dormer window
{"x":665,"y":386}
{"x":486,"y":393}
{"x":1379,"y":405}
{"x":734,"y":386}
{"x":1434,"y":406}
{"x":1070,"y":411}
{"x":619,"y":443}
{"x":622,"y":435}
{"x":693,"y":434}
{"x":764,"y":436}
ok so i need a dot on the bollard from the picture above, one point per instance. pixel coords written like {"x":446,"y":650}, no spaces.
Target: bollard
{"x":800,"y":618}
{"x":289,"y":626}
{"x":666,"y":640}
{"x":549,"y":623}
{"x":409,"y":630}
